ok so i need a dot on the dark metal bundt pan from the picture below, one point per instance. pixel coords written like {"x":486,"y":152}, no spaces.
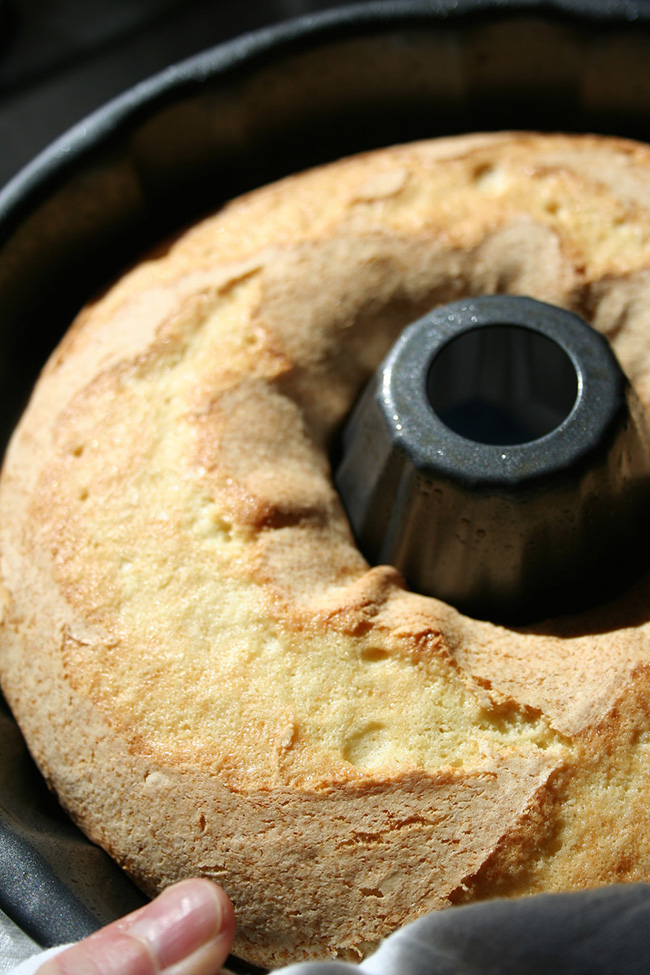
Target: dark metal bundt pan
{"x":221,"y":123}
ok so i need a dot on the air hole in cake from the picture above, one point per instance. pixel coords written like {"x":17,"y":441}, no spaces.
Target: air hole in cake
{"x":371,"y":891}
{"x":374,"y":654}
{"x":368,"y":747}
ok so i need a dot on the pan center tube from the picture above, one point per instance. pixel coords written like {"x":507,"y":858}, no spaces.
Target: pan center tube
{"x":502,"y":384}
{"x":500,"y":459}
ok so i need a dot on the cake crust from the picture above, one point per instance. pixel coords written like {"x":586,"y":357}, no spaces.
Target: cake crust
{"x":208,"y":673}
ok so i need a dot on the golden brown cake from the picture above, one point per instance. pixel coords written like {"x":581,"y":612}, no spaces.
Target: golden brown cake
{"x":208,"y":673}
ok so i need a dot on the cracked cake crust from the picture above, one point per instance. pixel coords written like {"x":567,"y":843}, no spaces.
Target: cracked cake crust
{"x":208,"y":673}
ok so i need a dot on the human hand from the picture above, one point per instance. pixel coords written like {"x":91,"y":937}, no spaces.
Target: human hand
{"x":186,"y":930}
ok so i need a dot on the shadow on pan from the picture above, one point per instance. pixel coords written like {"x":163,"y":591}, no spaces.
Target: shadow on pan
{"x":243,"y":114}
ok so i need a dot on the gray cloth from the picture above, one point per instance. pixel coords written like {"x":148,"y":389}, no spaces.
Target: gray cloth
{"x":601,"y":932}
{"x":31,"y":965}
{"x":15,"y":945}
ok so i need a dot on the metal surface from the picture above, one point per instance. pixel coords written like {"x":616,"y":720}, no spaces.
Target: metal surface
{"x":501,"y":461}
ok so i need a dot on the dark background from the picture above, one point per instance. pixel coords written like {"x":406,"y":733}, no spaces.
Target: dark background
{"x":61,"y":59}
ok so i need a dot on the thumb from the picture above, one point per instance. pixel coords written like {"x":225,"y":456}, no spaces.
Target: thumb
{"x":187,"y":930}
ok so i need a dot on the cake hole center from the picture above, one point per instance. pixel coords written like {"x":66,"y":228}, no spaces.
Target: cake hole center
{"x":502,"y":384}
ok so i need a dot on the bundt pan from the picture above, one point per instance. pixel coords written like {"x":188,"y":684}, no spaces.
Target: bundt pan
{"x":241,"y":115}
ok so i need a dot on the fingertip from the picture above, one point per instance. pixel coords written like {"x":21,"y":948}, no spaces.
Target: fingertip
{"x":187,"y":929}
{"x":209,"y":958}
{"x":184,"y":918}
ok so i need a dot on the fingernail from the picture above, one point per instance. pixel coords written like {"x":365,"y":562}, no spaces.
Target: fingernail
{"x":180,"y":921}
{"x":187,"y":930}
{"x":206,"y":961}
